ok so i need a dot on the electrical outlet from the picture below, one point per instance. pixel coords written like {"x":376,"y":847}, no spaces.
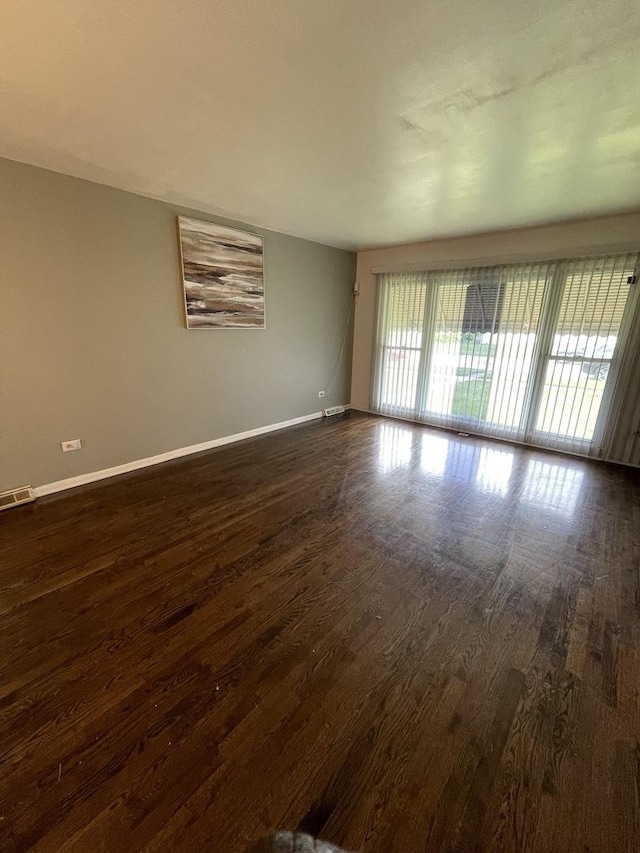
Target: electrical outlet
{"x":74,"y":444}
{"x":320,"y":393}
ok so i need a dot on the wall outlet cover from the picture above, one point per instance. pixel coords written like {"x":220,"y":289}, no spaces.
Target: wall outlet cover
{"x":73,"y":444}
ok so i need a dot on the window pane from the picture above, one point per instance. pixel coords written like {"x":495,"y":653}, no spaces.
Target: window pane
{"x":571,"y":398}
{"x":403,"y":306}
{"x":593,"y":301}
{"x":481,"y":361}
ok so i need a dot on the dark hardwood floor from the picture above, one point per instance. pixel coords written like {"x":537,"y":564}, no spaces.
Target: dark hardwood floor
{"x":392,"y":637}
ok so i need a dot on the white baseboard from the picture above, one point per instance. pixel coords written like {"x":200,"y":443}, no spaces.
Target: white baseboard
{"x":93,"y":476}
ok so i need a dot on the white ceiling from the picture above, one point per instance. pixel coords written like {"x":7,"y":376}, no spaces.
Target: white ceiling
{"x":353,"y":122}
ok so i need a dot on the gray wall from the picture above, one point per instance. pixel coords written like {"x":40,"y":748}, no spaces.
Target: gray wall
{"x":93,"y":343}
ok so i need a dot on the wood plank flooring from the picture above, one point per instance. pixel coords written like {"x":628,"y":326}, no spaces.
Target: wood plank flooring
{"x":392,"y":637}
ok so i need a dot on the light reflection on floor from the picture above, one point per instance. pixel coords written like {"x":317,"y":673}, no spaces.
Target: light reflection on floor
{"x":395,"y":447}
{"x":505,"y":472}
{"x":494,"y":470}
{"x":552,"y":486}
{"x":434,"y":450}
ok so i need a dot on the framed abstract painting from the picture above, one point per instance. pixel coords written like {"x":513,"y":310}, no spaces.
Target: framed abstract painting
{"x":223,"y":276}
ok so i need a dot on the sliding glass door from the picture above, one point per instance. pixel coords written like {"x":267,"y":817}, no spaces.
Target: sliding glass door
{"x":525,"y":351}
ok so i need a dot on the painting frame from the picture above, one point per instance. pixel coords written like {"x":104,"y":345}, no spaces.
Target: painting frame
{"x":222,"y":269}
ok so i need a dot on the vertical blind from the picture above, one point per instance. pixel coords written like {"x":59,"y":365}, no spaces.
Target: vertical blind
{"x":527,"y":352}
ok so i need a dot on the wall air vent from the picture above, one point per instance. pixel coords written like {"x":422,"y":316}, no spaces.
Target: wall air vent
{"x":333,"y":410}
{"x":15,"y":497}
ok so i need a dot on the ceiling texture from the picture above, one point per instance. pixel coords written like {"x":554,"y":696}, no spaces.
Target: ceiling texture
{"x":357,"y":123}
